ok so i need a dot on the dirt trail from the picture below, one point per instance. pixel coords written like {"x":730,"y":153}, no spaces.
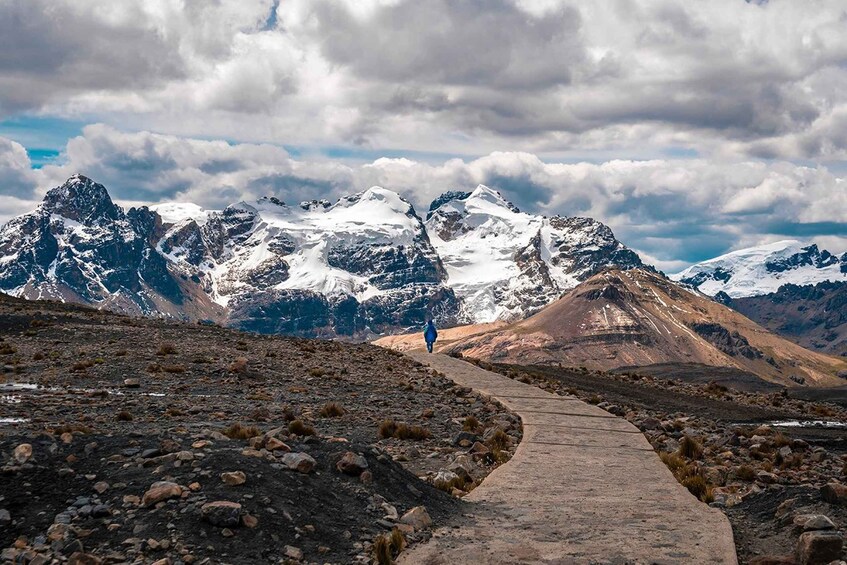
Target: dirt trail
{"x":583,"y":487}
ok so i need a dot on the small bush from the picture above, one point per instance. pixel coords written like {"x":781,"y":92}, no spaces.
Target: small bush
{"x":698,"y":486}
{"x":673,"y":461}
{"x":38,"y":356}
{"x":690,"y":448}
{"x":166,"y":349}
{"x":499,"y":440}
{"x":299,"y":428}
{"x":81,"y":366}
{"x":382,"y":550}
{"x":331,"y":410}
{"x":120,"y":352}
{"x":387,"y":429}
{"x":471,"y":424}
{"x":317,"y":372}
{"x":124,"y":416}
{"x":240,"y":431}
{"x":239,"y":366}
{"x":595,"y":399}
{"x":745,"y":473}
{"x":175,"y":369}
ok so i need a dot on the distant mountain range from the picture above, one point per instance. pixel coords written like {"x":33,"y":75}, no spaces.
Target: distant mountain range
{"x":761,"y":270}
{"x":364,"y":265}
{"x":638,"y":318}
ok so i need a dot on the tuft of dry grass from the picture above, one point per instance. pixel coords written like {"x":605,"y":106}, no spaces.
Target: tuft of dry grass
{"x":471,"y":424}
{"x":387,"y":429}
{"x":745,"y":473}
{"x":174,"y":369}
{"x":166,"y":349}
{"x":317,"y":372}
{"x":240,"y":431}
{"x":123,"y":416}
{"x":299,"y":428}
{"x":690,"y":448}
{"x":239,"y":366}
{"x":689,"y":476}
{"x":390,"y":428}
{"x":499,"y":440}
{"x":332,"y":410}
{"x":6,"y":349}
{"x":81,"y":366}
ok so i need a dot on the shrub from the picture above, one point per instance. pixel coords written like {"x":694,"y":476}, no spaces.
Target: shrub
{"x":690,"y":448}
{"x":166,"y":349}
{"x":781,"y":440}
{"x":331,"y":410}
{"x":698,"y":486}
{"x":239,"y":366}
{"x":81,"y":366}
{"x":595,"y":399}
{"x":499,"y":440}
{"x":471,"y":424}
{"x":240,"y":431}
{"x":176,"y":369}
{"x":299,"y":428}
{"x":124,"y":416}
{"x":673,"y":461}
{"x":382,"y":550}
{"x":317,"y":372}
{"x":38,"y":356}
{"x":745,"y":473}
{"x":387,"y":429}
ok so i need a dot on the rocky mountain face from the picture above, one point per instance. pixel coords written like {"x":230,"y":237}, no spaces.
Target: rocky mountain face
{"x":365,"y":265}
{"x":638,"y":318}
{"x":761,"y":270}
{"x":506,"y":264}
{"x":815,"y":316}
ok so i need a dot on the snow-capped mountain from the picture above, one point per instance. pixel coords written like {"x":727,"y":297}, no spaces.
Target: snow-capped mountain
{"x":761,"y":270}
{"x":505,"y":264}
{"x":364,"y":265}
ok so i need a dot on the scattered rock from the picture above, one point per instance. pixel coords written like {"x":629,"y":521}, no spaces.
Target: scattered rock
{"x":5,"y":517}
{"x":234,"y":478}
{"x":293,"y":552}
{"x":132,"y":383}
{"x":417,"y":517}
{"x":22,"y":453}
{"x":819,"y":547}
{"x":834,"y":493}
{"x":300,"y":462}
{"x":352,"y":464}
{"x":222,"y":513}
{"x":159,"y":491}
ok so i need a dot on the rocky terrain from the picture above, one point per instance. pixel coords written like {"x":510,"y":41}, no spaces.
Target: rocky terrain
{"x":357,"y":268}
{"x":135,"y":440}
{"x":783,"y":487}
{"x":815,"y":316}
{"x":638,"y":318}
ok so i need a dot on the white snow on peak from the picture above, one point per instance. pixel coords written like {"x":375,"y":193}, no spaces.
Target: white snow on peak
{"x":745,"y":272}
{"x":176,"y":212}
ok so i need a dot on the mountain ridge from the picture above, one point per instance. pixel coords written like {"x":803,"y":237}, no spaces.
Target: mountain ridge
{"x":364,"y":265}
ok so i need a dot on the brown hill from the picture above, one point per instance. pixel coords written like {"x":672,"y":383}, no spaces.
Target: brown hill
{"x":638,"y":318}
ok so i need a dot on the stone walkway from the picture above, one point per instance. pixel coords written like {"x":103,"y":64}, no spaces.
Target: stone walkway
{"x":584,"y":486}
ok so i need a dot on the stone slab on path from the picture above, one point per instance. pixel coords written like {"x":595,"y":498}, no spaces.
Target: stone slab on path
{"x":584,"y":486}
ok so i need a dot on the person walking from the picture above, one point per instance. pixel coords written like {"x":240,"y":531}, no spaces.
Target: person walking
{"x":430,"y":335}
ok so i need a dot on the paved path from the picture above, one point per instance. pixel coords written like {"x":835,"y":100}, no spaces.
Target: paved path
{"x":584,"y":486}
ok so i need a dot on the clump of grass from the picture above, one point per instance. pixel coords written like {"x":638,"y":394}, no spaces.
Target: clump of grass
{"x":289,"y":413}
{"x":698,"y":486}
{"x":690,"y":448}
{"x":239,"y":366}
{"x":174,"y":412}
{"x":166,"y":349}
{"x":716,"y":389}
{"x":387,"y":428}
{"x":821,"y":410}
{"x":299,"y":428}
{"x":499,"y":440}
{"x":471,"y":424}
{"x":390,"y":428}
{"x":123,"y":416}
{"x":120,"y":352}
{"x":331,"y":410}
{"x":240,"y":431}
{"x":175,"y":369}
{"x":81,"y":366}
{"x":317,"y":372}
{"x":457,"y":482}
{"x":745,"y":473}
{"x":388,"y":546}
{"x":781,"y":440}
{"x":595,"y":399}
{"x":673,"y":461}
{"x":6,"y":349}
{"x":38,"y":356}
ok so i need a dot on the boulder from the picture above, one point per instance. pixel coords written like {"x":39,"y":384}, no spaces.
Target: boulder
{"x":352,"y":464}
{"x":159,"y":491}
{"x":819,"y":547}
{"x":812,"y":522}
{"x":417,"y":517}
{"x":22,"y":453}
{"x":234,"y":478}
{"x":300,"y":462}
{"x":834,"y":493}
{"x":222,"y":513}
{"x":445,"y":480}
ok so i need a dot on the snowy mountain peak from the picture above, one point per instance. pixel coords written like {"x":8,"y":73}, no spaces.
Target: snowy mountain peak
{"x":482,"y":199}
{"x":763,"y":269}
{"x":81,"y":199}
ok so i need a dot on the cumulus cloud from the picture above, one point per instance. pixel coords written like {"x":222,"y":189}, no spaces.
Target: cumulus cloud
{"x":673,"y":211}
{"x":728,"y":78}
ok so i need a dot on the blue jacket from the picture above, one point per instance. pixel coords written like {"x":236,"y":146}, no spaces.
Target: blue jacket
{"x":430,"y":333}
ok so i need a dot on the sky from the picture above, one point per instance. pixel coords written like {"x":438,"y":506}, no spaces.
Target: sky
{"x":691,"y":128}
